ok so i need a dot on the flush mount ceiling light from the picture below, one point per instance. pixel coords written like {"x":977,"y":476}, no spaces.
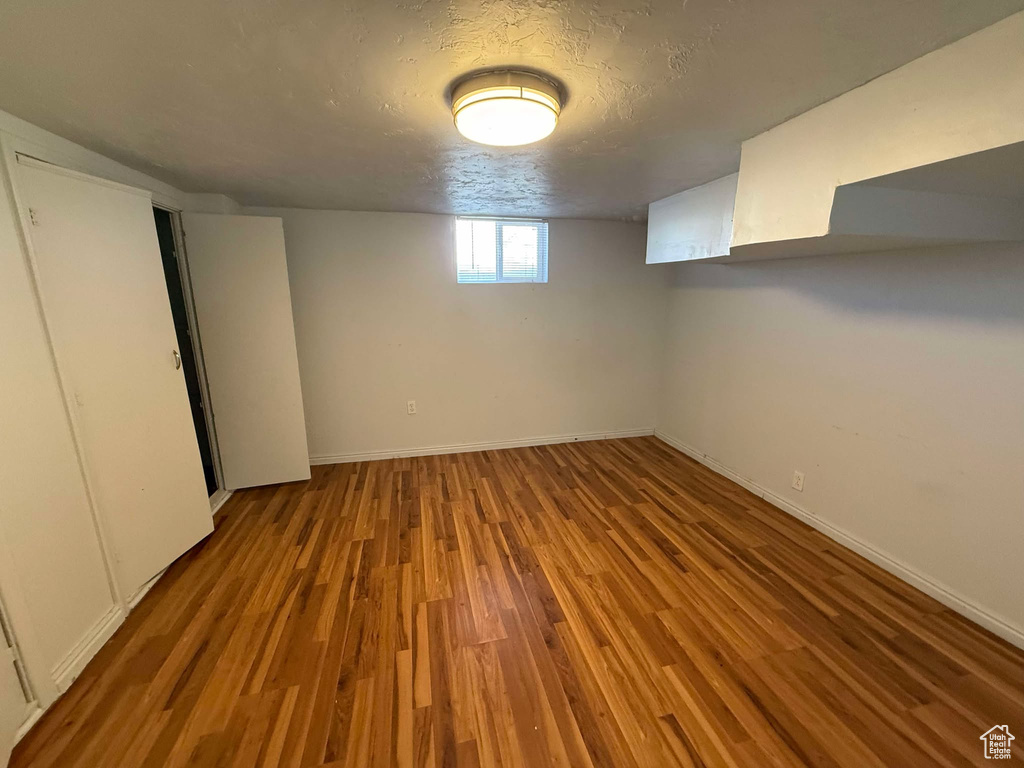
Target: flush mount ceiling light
{"x":506,"y":109}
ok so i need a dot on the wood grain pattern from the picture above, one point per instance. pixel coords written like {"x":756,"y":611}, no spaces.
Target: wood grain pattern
{"x":593,"y":604}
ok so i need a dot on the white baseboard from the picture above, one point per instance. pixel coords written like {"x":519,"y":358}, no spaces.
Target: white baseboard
{"x":144,"y":590}
{"x":30,"y":720}
{"x":71,"y":667}
{"x":436,"y":450}
{"x":68,"y":670}
{"x":948,"y":597}
{"x":218,"y":500}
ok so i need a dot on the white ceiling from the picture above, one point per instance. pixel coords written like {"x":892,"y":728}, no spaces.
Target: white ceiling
{"x":333,"y":104}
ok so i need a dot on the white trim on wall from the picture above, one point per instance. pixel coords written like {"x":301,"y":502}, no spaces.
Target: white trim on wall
{"x":65,"y":673}
{"x":20,"y":624}
{"x":948,"y":597}
{"x":34,"y":713}
{"x":34,"y":162}
{"x":219,"y":499}
{"x":436,"y":450}
{"x":142,"y":591}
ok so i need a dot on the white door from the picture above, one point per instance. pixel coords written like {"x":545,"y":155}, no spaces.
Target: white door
{"x":101,"y":282}
{"x":13,"y":707}
{"x":243,"y":304}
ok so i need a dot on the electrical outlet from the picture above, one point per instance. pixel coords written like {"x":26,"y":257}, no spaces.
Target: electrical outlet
{"x":411,"y":406}
{"x":798,"y":480}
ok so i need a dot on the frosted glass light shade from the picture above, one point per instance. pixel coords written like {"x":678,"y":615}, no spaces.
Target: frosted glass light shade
{"x":505,"y":109}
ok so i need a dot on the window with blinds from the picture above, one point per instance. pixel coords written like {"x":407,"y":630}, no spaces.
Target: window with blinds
{"x":501,"y":250}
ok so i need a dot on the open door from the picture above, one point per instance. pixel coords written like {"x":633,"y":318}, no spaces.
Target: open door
{"x":101,"y":283}
{"x":243,"y":304}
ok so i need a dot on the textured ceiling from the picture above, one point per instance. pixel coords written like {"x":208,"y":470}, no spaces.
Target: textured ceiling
{"x":332,"y":104}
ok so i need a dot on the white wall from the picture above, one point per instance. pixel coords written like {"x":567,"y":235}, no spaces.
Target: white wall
{"x":379,"y":320}
{"x":964,"y":98}
{"x":694,"y":224}
{"x":895,"y":381}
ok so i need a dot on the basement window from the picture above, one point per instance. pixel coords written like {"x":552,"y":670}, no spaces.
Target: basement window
{"x":492,"y":250}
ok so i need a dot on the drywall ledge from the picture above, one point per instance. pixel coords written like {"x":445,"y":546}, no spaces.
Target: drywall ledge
{"x":929,"y":154}
{"x":692,"y":225}
{"x":976,"y":613}
{"x":976,"y":198}
{"x":958,"y":101}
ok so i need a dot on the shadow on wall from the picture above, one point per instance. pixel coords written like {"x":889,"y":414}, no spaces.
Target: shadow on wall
{"x":974,"y":283}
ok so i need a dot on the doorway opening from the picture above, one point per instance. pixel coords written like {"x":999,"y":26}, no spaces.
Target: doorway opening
{"x":176,"y":275}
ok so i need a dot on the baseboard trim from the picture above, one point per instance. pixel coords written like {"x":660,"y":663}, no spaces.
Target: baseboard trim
{"x":32,"y":719}
{"x":71,"y":667}
{"x":948,"y":597}
{"x":144,"y":590}
{"x":68,"y":670}
{"x":218,"y":500}
{"x":437,"y":450}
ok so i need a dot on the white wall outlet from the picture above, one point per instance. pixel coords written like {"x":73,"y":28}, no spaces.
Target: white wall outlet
{"x":798,"y":480}
{"x":411,"y":406}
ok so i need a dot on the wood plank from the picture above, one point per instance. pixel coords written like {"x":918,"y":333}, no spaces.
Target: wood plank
{"x":601,"y":604}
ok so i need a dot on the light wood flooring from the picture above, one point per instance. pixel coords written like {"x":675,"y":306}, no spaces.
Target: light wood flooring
{"x":607,"y":603}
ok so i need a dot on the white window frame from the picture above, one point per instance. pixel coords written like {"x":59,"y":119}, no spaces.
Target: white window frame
{"x":499,"y":223}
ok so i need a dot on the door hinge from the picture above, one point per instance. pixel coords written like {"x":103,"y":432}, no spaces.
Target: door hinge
{"x":33,"y":217}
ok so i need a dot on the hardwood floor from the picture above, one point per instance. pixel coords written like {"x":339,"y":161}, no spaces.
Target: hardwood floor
{"x":592,"y":604}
